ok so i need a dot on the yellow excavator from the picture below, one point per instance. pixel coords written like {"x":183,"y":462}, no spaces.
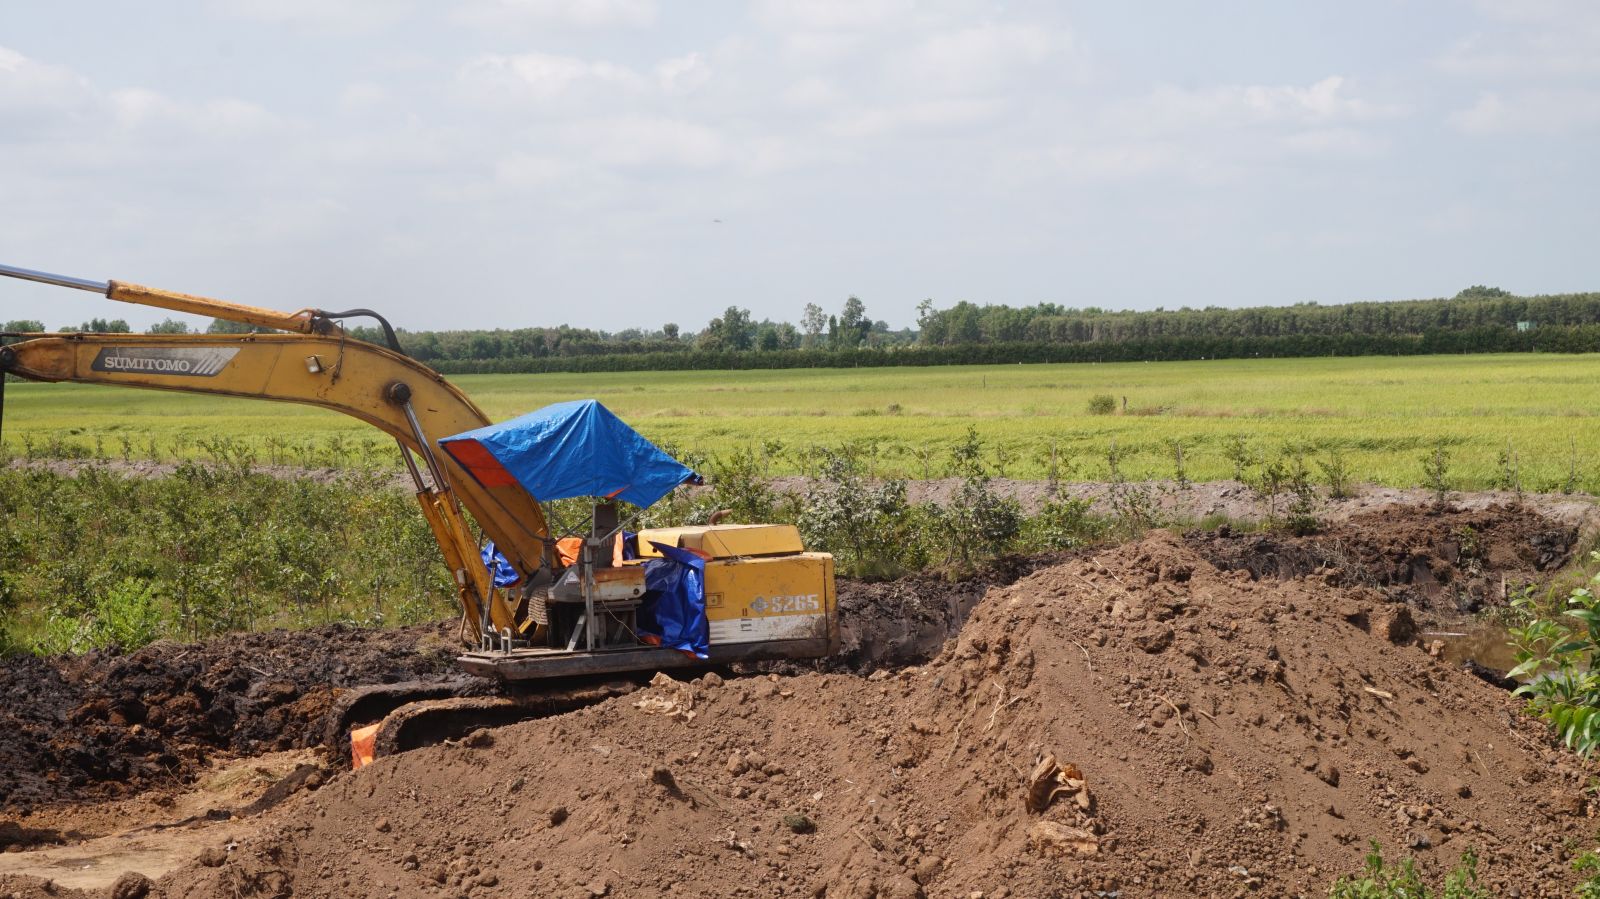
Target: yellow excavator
{"x":534,"y":607}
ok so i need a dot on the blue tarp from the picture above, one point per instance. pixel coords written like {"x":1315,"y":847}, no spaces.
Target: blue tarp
{"x":569,"y":449}
{"x":674,"y":607}
{"x":499,"y":566}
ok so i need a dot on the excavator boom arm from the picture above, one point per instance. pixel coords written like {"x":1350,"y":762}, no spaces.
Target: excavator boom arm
{"x":306,"y":321}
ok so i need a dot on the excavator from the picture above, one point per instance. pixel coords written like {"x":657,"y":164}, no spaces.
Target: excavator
{"x":557,"y":621}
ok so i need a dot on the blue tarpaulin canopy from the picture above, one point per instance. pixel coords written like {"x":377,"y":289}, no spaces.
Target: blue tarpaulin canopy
{"x":569,"y":449}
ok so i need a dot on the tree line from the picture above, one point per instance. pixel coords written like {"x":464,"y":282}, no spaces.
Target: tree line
{"x":1478,"y":319}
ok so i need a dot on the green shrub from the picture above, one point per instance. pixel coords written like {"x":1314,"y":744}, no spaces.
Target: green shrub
{"x":1558,"y":653}
{"x":1383,"y":881}
{"x":1588,"y":863}
{"x":101,"y":559}
{"x":1336,"y":474}
{"x":1436,"y":473}
{"x":127,"y":616}
{"x":978,"y":522}
{"x":1102,"y":404}
{"x":738,"y":484}
{"x":867,"y":526}
{"x":1063,"y":524}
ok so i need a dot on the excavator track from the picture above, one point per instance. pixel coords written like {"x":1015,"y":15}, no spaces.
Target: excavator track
{"x":413,"y":715}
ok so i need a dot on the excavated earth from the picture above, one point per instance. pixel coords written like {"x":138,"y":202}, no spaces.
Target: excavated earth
{"x":1175,"y":716}
{"x":104,"y":725}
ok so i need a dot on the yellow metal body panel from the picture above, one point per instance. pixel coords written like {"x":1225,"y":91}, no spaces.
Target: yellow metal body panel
{"x":752,"y":600}
{"x":726,"y":541}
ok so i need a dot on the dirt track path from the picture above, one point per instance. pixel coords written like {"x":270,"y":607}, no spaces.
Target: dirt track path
{"x":1230,"y":499}
{"x":88,"y":846}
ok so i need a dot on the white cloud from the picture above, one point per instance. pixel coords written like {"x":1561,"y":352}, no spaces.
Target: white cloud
{"x":682,"y":74}
{"x":542,"y":76}
{"x":225,"y":119}
{"x":1543,"y":112}
{"x":1340,"y":143}
{"x":813,"y":91}
{"x":530,"y":170}
{"x":641,"y":141}
{"x":36,"y":90}
{"x":563,"y":13}
{"x":548,"y":78}
{"x":322,"y":15}
{"x":1321,"y":103}
{"x":978,"y":59}
{"x":918,"y":116}
{"x":362,"y":95}
{"x":830,"y":15}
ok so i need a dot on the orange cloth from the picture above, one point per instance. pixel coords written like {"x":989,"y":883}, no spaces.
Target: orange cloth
{"x":569,"y":548}
{"x":362,"y":741}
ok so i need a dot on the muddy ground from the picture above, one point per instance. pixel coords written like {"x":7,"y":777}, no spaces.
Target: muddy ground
{"x":1230,"y":714}
{"x":106,"y":725}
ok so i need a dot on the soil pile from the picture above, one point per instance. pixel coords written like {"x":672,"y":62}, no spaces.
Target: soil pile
{"x":1443,"y":562}
{"x":1136,"y":723}
{"x":104,"y":725}
{"x":890,"y":624}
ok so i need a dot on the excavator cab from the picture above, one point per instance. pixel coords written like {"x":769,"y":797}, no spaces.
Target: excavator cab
{"x":625,"y":600}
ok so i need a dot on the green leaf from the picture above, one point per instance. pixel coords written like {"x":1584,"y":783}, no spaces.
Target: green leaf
{"x":1526,"y":668}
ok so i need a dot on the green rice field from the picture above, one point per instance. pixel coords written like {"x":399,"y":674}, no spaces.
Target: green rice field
{"x":1380,"y":414}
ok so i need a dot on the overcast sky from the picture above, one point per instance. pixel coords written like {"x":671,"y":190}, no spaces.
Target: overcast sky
{"x":620,"y":163}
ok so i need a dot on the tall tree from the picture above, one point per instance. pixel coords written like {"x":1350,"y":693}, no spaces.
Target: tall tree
{"x":812,"y":321}
{"x":853,"y":323}
{"x":732,"y":330}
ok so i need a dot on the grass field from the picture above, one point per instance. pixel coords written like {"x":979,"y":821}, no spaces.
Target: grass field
{"x":1381,"y":414}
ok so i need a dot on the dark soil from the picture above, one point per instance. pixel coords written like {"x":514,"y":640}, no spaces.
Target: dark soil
{"x":889,"y":624}
{"x":1443,"y":563}
{"x":105,"y":725}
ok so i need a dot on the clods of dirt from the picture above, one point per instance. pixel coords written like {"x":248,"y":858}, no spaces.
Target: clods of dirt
{"x":1446,"y":562}
{"x":1136,"y":722}
{"x":106,"y":725}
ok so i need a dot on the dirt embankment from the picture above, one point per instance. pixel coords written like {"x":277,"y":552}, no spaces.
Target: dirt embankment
{"x":1443,"y":563}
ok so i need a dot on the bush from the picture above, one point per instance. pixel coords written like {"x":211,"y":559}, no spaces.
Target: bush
{"x":978,"y":520}
{"x":1063,"y":524}
{"x":868,"y":527}
{"x":737,"y":484}
{"x":1102,"y":404}
{"x":100,"y":559}
{"x":1436,"y":473}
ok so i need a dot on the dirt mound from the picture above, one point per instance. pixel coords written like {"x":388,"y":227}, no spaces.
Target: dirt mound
{"x":1136,"y":723}
{"x":1443,"y":562}
{"x":906,"y":621}
{"x":103,"y":725}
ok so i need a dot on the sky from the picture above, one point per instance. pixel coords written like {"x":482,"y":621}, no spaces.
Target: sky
{"x":627,"y":163}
